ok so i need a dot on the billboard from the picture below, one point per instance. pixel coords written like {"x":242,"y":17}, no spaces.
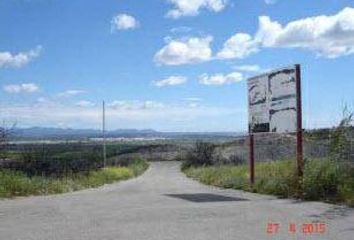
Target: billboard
{"x":273,"y":101}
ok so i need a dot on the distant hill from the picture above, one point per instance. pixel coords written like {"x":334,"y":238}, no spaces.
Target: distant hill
{"x":68,"y":133}
{"x":73,"y":134}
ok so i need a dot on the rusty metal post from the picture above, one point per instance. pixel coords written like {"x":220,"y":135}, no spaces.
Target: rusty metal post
{"x":299,"y":139}
{"x":251,"y":158}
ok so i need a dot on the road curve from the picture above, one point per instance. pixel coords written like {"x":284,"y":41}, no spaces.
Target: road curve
{"x":164,"y":204}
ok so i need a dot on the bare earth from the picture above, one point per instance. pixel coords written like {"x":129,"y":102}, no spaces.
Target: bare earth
{"x":150,"y":207}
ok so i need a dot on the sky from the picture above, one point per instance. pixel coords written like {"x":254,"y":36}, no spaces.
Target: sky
{"x":168,"y":65}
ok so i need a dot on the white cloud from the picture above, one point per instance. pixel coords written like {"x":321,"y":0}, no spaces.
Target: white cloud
{"x":124,"y":22}
{"x":220,"y":79}
{"x":134,"y":105}
{"x":116,"y":104}
{"x":185,"y":51}
{"x":248,"y":68}
{"x":48,"y":102}
{"x":171,"y":81}
{"x":41,"y":100}
{"x":238,"y":46}
{"x":193,"y":99}
{"x":182,"y":29}
{"x":152,"y":105}
{"x":131,"y":105}
{"x":192,"y":7}
{"x":69,"y":93}
{"x":269,"y":2}
{"x":194,"y":104}
{"x":18,"y":60}
{"x":23,"y":87}
{"x":329,"y":36}
{"x":84,"y":103}
{"x":155,"y":115}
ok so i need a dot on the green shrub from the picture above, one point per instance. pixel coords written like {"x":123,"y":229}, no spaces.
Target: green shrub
{"x":321,"y":180}
{"x":16,"y":183}
{"x":138,"y":166}
{"x":107,"y":175}
{"x":203,"y":154}
{"x":324,"y":179}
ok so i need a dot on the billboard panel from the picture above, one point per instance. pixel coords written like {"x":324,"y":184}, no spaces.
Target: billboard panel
{"x":272,"y":100}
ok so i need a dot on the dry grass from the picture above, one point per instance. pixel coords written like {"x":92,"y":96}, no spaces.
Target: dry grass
{"x":323,"y":179}
{"x":16,"y":183}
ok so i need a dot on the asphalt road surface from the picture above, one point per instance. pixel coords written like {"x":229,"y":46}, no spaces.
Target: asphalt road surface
{"x":164,"y":204}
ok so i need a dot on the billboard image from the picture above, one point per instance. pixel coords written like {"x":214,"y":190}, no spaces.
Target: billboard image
{"x":273,"y":101}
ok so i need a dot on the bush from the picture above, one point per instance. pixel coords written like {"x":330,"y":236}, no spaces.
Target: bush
{"x":56,"y":161}
{"x":16,"y":183}
{"x":236,"y":159}
{"x":321,"y":180}
{"x":62,"y":159}
{"x":340,"y":147}
{"x":106,"y":176}
{"x":203,"y":154}
{"x":324,"y":179}
{"x":138,"y":166}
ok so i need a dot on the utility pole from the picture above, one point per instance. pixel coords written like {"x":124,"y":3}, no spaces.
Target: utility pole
{"x":104,"y":132}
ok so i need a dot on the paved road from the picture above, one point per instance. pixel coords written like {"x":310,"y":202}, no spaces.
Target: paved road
{"x":164,"y":204}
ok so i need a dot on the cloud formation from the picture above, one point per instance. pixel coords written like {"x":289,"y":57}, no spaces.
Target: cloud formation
{"x":152,"y":105}
{"x":193,"y":7}
{"x":185,"y":51}
{"x":124,"y":22}
{"x":181,"y":29}
{"x":134,"y":105}
{"x":70,"y":93}
{"x":238,"y":46}
{"x":145,"y":114}
{"x":171,"y":81}
{"x":220,"y":79}
{"x":20,"y":59}
{"x":19,"y":88}
{"x":327,"y":36}
{"x":248,"y":68}
{"x":270,"y":2}
{"x":119,"y":104}
{"x":85,"y":103}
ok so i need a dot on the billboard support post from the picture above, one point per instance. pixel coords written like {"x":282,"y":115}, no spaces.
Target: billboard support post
{"x":299,"y":139}
{"x":251,"y":157}
{"x":274,"y":106}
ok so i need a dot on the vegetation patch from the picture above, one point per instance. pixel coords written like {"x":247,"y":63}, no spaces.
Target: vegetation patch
{"x":323,"y":179}
{"x":17,"y":183}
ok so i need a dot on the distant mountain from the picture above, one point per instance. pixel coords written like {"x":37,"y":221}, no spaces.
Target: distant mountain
{"x":68,"y":133}
{"x":81,"y":134}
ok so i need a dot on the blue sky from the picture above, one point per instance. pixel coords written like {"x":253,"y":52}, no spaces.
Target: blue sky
{"x":170,"y":65}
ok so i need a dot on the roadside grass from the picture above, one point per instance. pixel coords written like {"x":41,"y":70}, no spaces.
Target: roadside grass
{"x":324,"y":179}
{"x":16,"y":183}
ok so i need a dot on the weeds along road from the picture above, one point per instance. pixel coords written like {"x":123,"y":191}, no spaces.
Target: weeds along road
{"x":164,"y":204}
